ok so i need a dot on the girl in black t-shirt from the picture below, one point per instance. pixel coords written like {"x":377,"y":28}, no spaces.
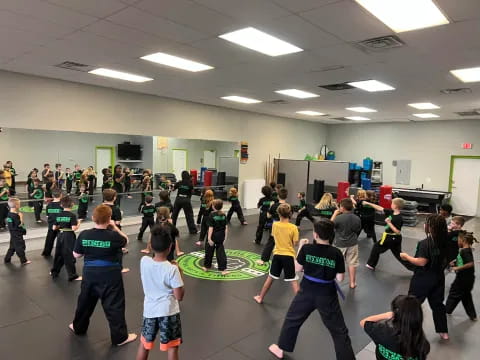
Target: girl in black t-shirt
{"x":182,"y":201}
{"x":428,"y":281}
{"x":398,"y":334}
{"x":366,"y":212}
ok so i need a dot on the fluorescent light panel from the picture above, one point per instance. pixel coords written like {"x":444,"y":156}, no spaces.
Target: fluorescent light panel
{"x":300,"y":94}
{"x":361,"y":109}
{"x":467,"y":75}
{"x":310,"y":113}
{"x":371,"y":85}
{"x":426,"y":116}
{"x":259,"y":41}
{"x":241,"y":99}
{"x":424,"y":106}
{"x":119,"y":75}
{"x":176,"y":62}
{"x":357,"y":118}
{"x":405,"y":15}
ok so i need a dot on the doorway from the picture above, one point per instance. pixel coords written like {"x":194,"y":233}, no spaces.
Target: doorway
{"x":210,"y":159}
{"x":464,"y":184}
{"x":179,"y":161}
{"x":104,"y":157}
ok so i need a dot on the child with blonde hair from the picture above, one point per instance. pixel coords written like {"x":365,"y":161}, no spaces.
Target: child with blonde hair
{"x":235,"y":206}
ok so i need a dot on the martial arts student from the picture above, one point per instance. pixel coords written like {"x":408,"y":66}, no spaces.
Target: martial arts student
{"x":163,"y":288}
{"x":462,"y":286}
{"x":366,"y":212}
{"x":4,"y":193}
{"x":46,"y":172}
{"x":286,"y":237}
{"x":59,"y":176}
{"x":217,"y":235}
{"x":182,"y":201}
{"x":102,"y":276}
{"x":165,"y":201}
{"x":273,"y":186}
{"x":128,"y":181}
{"x":146,"y":188}
{"x":37,"y":195}
{"x":263,"y":204}
{"x":428,"y":281}
{"x":66,"y":223}
{"x":273,"y":214}
{"x":77,"y":177}
{"x":50,"y":187}
{"x":347,"y":227}
{"x":117,"y":185}
{"x":69,"y":180}
{"x":326,"y":206}
{"x":201,"y":210}
{"x":302,"y":210}
{"x":83,"y":200}
{"x":398,"y":334}
{"x":30,"y":186}
{"x":107,"y":179}
{"x":164,"y":183}
{"x":454,"y":229}
{"x":235,"y":207}
{"x":13,"y":174}
{"x":208,"y":198}
{"x":322,"y":265}
{"x":392,"y":236}
{"x":446,"y":212}
{"x":53,"y":209}
{"x":17,"y":231}
{"x":148,"y":216}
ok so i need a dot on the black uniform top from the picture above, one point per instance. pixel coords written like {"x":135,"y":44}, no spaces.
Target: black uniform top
{"x":5,"y":188}
{"x":326,"y":212}
{"x":77,"y":175}
{"x":234,"y":201}
{"x":48,"y":189}
{"x":127,"y":178}
{"x":30,"y":185}
{"x":44,"y":175}
{"x":107,"y":181}
{"x":65,"y":220}
{"x":275,"y":196}
{"x":273,"y":211}
{"x":264,"y":203}
{"x":163,"y":185}
{"x":167,"y":204}
{"x":99,"y":245}
{"x":184,"y":189}
{"x":57,"y":174}
{"x":366,"y":212}
{"x":321,"y":262}
{"x":116,"y":213}
{"x":69,"y":177}
{"x":464,"y":257}
{"x":302,"y":204}
{"x":53,"y":209}
{"x":397,"y":221}
{"x":452,"y":245}
{"x":14,"y":224}
{"x":117,"y":185}
{"x":387,"y":339}
{"x":218,"y":221}
{"x":435,"y":263}
{"x":38,"y":192}
{"x":148,"y":211}
{"x":83,"y":198}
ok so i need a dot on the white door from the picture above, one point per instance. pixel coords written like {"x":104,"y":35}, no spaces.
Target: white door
{"x":465,"y":186}
{"x":103,"y":160}
{"x":179,"y":162}
{"x":210,"y":159}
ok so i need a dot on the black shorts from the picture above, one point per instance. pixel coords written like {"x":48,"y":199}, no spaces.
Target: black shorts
{"x":285,"y":263}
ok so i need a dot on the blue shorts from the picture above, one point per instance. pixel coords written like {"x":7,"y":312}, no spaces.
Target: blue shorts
{"x":170,"y":329}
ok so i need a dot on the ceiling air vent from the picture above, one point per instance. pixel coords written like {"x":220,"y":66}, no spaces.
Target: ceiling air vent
{"x":71,"y":65}
{"x":456,"y":91}
{"x":469,"y":113}
{"x":336,"y":87}
{"x":382,"y":43}
{"x":277,"y":102}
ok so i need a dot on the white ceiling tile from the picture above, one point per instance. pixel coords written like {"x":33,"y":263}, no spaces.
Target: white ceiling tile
{"x":246,"y":10}
{"x":97,"y":8}
{"x":302,"y":5}
{"x":347,"y":20}
{"x":459,"y":10}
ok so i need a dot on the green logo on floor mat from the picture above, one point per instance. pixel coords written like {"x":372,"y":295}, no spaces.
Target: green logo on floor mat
{"x":241,"y":265}
{"x":28,"y":209}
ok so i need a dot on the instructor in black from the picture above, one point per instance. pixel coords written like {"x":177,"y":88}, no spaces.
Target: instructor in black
{"x":182,"y":201}
{"x":102,"y":277}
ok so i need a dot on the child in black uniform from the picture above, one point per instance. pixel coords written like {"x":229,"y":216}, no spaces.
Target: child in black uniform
{"x":69,"y":180}
{"x":164,"y":220}
{"x":398,"y":334}
{"x":303,"y":210}
{"x":182,"y":201}
{"x":326,"y":207}
{"x":446,"y":212}
{"x":128,"y":181}
{"x":263,"y":204}
{"x":165,"y":201}
{"x":464,"y":266}
{"x":17,"y":231}
{"x":66,"y":223}
{"x":59,"y":176}
{"x":148,"y":219}
{"x":323,"y":265}
{"x":217,"y":235}
{"x":50,"y":188}
{"x":454,"y":230}
{"x":4,"y":193}
{"x":428,"y":281}
{"x":83,"y":203}
{"x":37,"y":195}
{"x":273,"y":186}
{"x":77,"y":177}
{"x":53,"y":209}
{"x":203,"y":206}
{"x":208,"y":198}
{"x":366,"y":213}
{"x":146,"y":188}
{"x":30,"y":186}
{"x":106,"y":179}
{"x":235,"y":206}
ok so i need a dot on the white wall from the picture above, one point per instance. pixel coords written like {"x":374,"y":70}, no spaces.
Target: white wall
{"x":39,"y":103}
{"x":428,"y":145}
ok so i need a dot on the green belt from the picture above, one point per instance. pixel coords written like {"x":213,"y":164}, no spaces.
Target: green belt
{"x":66,"y":230}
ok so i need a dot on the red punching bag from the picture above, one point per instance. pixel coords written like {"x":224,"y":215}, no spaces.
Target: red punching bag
{"x":385,"y":199}
{"x":342,"y":190}
{"x":207,"y":181}
{"x":194,"y":176}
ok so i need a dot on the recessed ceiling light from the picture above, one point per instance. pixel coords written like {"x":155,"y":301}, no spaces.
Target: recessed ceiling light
{"x":259,"y":41}
{"x":405,"y":15}
{"x":424,"y":106}
{"x":467,"y":75}
{"x":119,"y":75}
{"x":310,"y":113}
{"x":297,"y":93}
{"x":357,"y":118}
{"x":361,"y":109}
{"x":241,"y":99}
{"x":371,"y":85}
{"x":426,"y":116}
{"x":176,"y":62}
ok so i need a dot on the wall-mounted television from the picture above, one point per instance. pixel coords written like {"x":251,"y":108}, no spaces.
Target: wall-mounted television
{"x":129,"y":151}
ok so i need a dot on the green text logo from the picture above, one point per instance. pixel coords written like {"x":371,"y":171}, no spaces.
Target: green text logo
{"x":96,"y":244}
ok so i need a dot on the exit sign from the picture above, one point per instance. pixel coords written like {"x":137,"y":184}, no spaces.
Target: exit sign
{"x":467,"y":146}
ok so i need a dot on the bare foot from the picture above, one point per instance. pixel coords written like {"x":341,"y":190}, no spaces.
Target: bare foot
{"x":79,"y":278}
{"x":125,"y":250}
{"x":180,"y":253}
{"x":260,"y":262}
{"x":199,"y":243}
{"x":145,"y":251}
{"x":71,"y":328}
{"x":353,"y":286}
{"x":130,"y":338}
{"x":125,"y":270}
{"x":444,"y":336}
{"x":275,"y":350}
{"x":244,"y":223}
{"x":204,"y":269}
{"x":26,"y":263}
{"x":258,"y":299}
{"x":225,"y":272}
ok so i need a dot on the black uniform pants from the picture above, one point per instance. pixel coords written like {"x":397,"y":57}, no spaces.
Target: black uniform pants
{"x":82,"y":210}
{"x":203,"y":229}
{"x":3,"y":214}
{"x":461,"y":290}
{"x":201,"y":212}
{"x":104,"y":284}
{"x":219,"y":250}
{"x":17,"y":245}
{"x":368,"y":225}
{"x":142,"y":202}
{"x":268,"y":248}
{"x":77,"y":187}
{"x":262,"y":220}
{"x":392,"y":243}
{"x":185,"y":204}
{"x":329,"y":309}
{"x":37,"y":209}
{"x":301,"y":215}
{"x":69,"y":186}
{"x":49,"y":241}
{"x":431,"y":286}
{"x":238,"y":210}
{"x":146,"y":222}
{"x":64,"y":255}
